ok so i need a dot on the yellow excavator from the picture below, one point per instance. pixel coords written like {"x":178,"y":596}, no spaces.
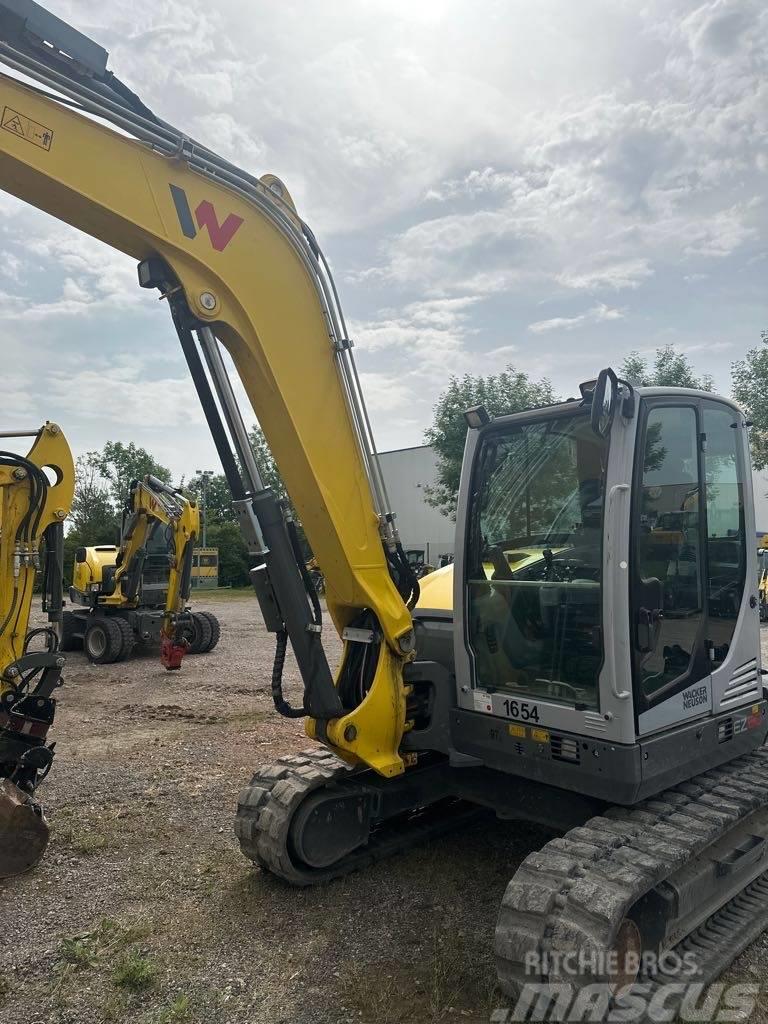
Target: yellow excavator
{"x":138,"y":592}
{"x":35,"y":497}
{"x":595,"y":671}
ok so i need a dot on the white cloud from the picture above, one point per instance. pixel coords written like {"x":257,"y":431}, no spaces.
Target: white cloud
{"x":120,"y":396}
{"x":598,"y":314}
{"x":604,"y":274}
{"x":502,"y":352}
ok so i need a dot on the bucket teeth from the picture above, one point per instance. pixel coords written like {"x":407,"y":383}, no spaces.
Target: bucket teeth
{"x":24,"y":831}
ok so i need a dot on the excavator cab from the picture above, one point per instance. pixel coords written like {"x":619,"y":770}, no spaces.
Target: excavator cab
{"x":634,"y":609}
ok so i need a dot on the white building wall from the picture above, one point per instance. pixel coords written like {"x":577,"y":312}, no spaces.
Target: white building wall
{"x":406,"y":472}
{"x":760,"y":482}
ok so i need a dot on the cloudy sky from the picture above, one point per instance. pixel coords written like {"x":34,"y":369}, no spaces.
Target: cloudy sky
{"x":545,"y":183}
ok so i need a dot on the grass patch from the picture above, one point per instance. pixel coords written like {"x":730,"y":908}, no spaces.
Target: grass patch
{"x":92,"y":950}
{"x":201,"y":596}
{"x":89,"y":835}
{"x":446,"y":978}
{"x":134,"y":972}
{"x":115,"y":1007}
{"x":177,"y":1012}
{"x":79,"y":953}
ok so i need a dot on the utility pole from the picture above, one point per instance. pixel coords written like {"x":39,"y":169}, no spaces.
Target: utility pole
{"x":205,"y":475}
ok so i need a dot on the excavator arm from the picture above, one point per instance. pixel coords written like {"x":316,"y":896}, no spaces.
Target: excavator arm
{"x":153,"y":504}
{"x":239,"y":268}
{"x":32,"y":510}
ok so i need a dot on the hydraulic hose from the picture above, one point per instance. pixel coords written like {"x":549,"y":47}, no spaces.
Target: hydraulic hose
{"x":281,"y":704}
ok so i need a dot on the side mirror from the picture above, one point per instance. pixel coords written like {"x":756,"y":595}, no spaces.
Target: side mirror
{"x":604,"y":399}
{"x":81,"y":555}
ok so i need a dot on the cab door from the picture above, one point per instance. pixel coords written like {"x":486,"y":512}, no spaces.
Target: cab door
{"x":695,"y":644}
{"x":671,"y":666}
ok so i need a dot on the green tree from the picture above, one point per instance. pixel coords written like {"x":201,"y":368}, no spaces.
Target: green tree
{"x":92,"y":516}
{"x":234,"y":560}
{"x":506,"y":392}
{"x":218,"y":500}
{"x":101,"y":487}
{"x":271,"y":476}
{"x":671,"y":369}
{"x":266,"y":463}
{"x":119,"y":464}
{"x":750,"y":387}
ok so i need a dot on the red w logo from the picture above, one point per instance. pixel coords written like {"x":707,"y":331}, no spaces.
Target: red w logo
{"x":205,"y":215}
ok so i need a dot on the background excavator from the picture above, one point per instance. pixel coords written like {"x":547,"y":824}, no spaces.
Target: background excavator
{"x":32,"y":512}
{"x":595,"y":672}
{"x":137,"y":592}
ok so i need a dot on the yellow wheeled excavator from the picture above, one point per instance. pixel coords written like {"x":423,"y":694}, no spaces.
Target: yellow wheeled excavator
{"x":35,"y":497}
{"x":596,"y":672}
{"x":138,"y":592}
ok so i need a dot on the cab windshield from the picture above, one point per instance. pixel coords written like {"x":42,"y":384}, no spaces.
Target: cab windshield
{"x":535,"y":560}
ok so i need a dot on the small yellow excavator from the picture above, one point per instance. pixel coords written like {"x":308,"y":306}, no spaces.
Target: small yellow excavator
{"x":33,"y":508}
{"x":137,"y":592}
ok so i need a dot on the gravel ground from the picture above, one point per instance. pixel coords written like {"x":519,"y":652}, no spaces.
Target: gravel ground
{"x":145,"y":910}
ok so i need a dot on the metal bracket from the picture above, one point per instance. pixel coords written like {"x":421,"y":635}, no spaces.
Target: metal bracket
{"x":250,"y":527}
{"x":359,"y":636}
{"x":42,"y":27}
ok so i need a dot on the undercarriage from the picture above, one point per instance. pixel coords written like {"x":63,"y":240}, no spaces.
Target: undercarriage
{"x":685,"y":872}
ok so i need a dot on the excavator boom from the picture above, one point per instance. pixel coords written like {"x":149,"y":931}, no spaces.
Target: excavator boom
{"x":237,"y":266}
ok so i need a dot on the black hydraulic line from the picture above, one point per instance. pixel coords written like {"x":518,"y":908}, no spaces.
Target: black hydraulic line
{"x":210,"y":409}
{"x":403,"y":575}
{"x":320,"y":695}
{"x":186,"y":568}
{"x":130,"y":581}
{"x":128,"y":97}
{"x":360,"y":661}
{"x":309,"y":586}
{"x":38,"y":486}
{"x":44,"y":485}
{"x":53,"y":571}
{"x":52,"y":641}
{"x":281,"y":704}
{"x":11,"y":610}
{"x":38,"y":482}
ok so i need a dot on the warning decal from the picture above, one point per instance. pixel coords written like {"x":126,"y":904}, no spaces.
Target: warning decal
{"x":25,"y":128}
{"x":482,"y":701}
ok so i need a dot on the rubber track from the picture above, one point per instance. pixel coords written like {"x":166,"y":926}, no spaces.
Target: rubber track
{"x":716,"y":943}
{"x":267,"y":805}
{"x":572,"y":895}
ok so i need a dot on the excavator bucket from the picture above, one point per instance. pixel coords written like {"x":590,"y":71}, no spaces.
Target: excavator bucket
{"x":24,"y":831}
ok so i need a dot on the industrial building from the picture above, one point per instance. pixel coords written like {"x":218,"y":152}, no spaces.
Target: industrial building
{"x":760,"y":483}
{"x":407,"y":471}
